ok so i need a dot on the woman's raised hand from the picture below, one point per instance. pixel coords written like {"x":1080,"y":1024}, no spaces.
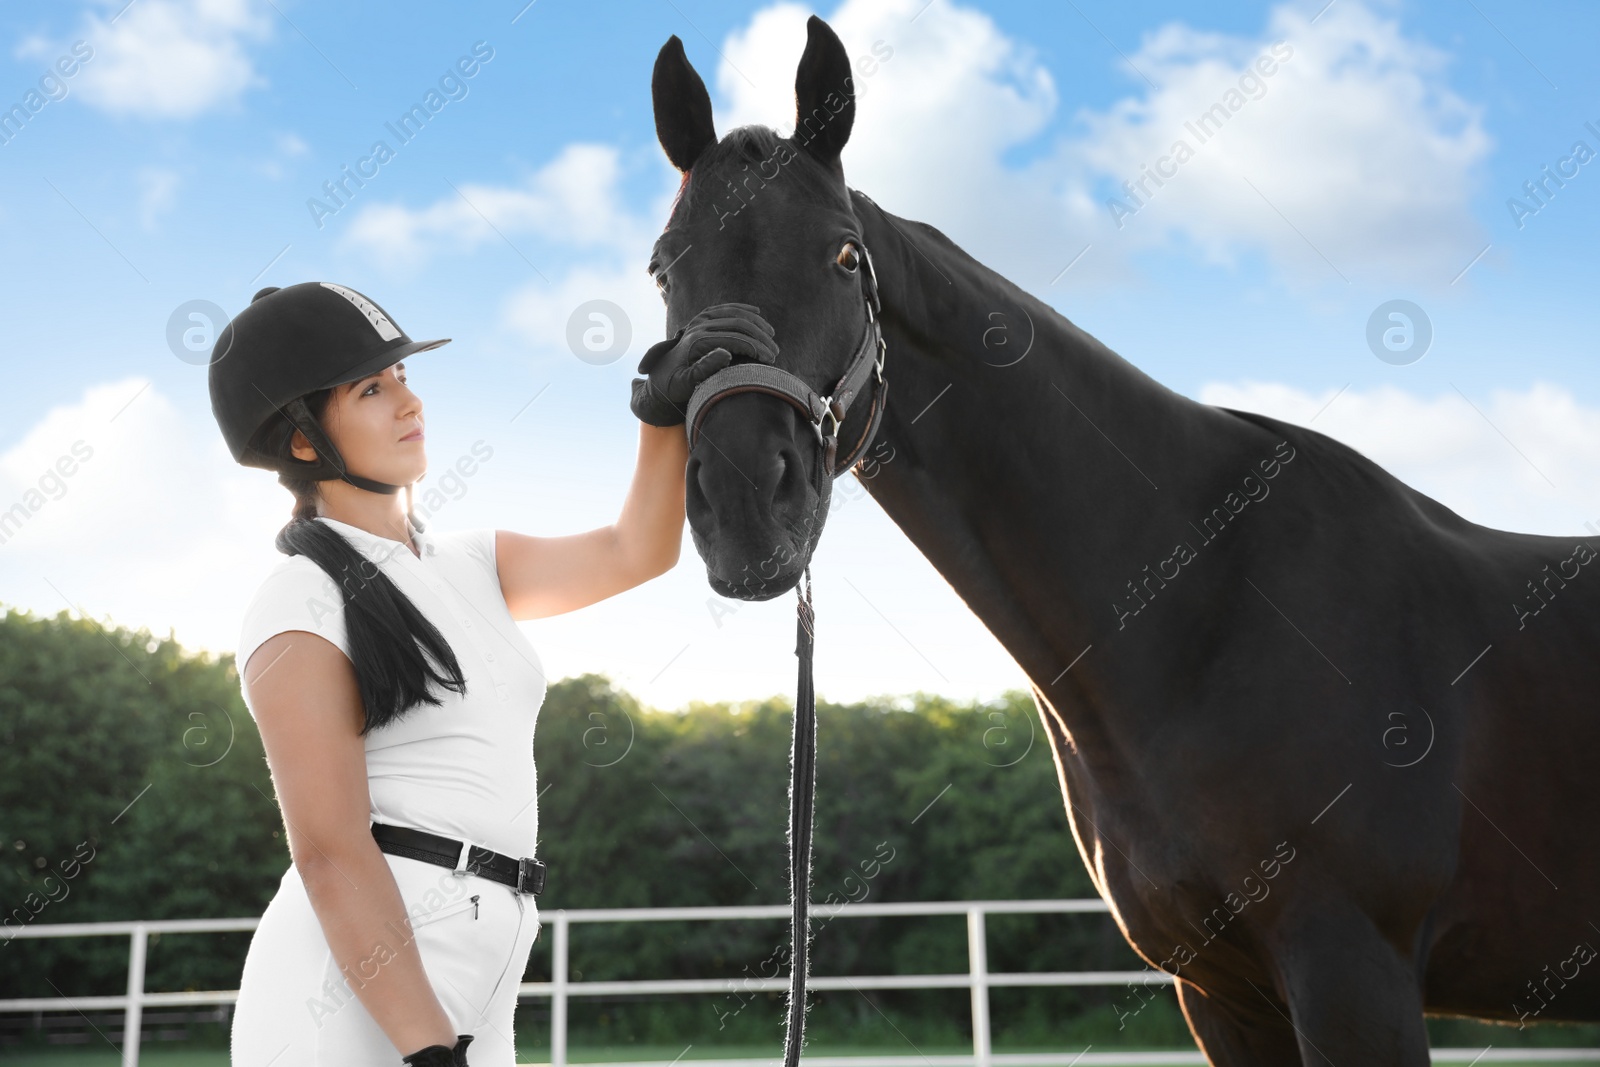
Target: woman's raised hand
{"x":707,"y":343}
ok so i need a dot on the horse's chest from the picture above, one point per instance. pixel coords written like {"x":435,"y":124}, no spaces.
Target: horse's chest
{"x":1188,"y":921}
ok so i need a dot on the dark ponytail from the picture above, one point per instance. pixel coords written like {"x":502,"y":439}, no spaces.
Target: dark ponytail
{"x":390,"y":641}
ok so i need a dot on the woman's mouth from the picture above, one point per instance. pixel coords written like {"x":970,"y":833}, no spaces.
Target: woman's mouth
{"x":414,"y":435}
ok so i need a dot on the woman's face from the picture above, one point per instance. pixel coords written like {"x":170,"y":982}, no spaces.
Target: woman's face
{"x":376,"y":424}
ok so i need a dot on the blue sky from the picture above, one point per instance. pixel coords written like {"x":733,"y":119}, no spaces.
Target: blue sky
{"x":1375,"y":164}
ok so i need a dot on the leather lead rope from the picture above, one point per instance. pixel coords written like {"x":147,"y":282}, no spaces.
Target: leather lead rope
{"x":863,"y":373}
{"x":803,"y":791}
{"x":802,"y":807}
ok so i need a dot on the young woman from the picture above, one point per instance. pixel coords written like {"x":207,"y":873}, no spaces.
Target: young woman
{"x":394,"y":693}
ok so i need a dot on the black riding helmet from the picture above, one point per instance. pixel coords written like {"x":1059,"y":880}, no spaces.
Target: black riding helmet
{"x":290,"y":342}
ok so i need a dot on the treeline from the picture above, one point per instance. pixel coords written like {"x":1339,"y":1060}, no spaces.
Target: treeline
{"x":133,"y":785}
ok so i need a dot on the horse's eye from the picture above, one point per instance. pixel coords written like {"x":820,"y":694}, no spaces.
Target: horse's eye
{"x":849,"y":257}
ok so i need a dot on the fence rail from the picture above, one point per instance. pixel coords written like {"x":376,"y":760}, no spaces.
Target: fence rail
{"x":977,"y":979}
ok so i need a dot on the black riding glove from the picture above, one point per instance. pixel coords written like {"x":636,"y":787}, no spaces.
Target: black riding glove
{"x":441,"y":1055}
{"x":706,"y":344}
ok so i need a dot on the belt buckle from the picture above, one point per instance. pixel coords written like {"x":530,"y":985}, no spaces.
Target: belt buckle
{"x":530,"y":876}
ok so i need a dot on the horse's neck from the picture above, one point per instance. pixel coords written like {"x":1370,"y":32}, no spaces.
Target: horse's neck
{"x":1038,"y":489}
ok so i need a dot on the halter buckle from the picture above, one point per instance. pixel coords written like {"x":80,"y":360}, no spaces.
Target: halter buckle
{"x":829,"y":411}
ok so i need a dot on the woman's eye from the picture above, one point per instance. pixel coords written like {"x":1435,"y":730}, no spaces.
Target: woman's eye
{"x":368,"y":390}
{"x":849,"y":257}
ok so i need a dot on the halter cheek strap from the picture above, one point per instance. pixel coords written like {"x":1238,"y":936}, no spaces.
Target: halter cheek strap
{"x":825,"y":413}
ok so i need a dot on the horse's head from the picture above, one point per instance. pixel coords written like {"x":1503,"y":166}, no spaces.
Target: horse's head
{"x":765,"y":220}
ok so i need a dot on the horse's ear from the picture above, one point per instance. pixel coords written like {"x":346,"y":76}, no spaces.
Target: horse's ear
{"x":682,"y":106}
{"x":824,"y":94}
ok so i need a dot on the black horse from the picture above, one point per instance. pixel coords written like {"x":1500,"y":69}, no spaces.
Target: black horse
{"x":1329,"y":750}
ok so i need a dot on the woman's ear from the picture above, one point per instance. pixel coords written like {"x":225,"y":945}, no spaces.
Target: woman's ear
{"x":300,"y":448}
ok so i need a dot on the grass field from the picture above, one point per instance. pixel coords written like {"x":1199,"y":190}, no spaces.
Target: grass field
{"x":218,"y":1057}
{"x":593,"y":1041}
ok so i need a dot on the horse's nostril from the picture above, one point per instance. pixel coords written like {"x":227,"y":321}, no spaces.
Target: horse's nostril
{"x":786,"y":468}
{"x":697,"y":491}
{"x":700,"y":477}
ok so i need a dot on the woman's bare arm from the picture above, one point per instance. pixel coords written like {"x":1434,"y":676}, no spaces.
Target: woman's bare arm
{"x":308,"y":708}
{"x":543,"y":576}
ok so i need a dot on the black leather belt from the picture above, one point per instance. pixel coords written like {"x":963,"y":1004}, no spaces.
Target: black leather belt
{"x":523,"y":875}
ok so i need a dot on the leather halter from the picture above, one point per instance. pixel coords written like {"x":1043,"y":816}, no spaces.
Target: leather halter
{"x":865,"y":365}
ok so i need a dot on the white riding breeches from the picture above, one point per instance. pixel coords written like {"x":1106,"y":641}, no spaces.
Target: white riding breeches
{"x":297,"y":1009}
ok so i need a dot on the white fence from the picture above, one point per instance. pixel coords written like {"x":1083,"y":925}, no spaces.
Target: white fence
{"x":977,"y":979}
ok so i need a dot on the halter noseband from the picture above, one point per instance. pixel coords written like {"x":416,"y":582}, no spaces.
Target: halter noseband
{"x":867,"y":362}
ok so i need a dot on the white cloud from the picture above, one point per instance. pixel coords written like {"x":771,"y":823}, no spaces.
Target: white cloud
{"x":285,"y":146}
{"x":159,"y":527}
{"x":1365,"y":154}
{"x":1356,"y":140}
{"x":574,"y":200}
{"x":940,"y":100}
{"x":158,"y":189}
{"x":1519,"y":461}
{"x":1358,"y":150}
{"x":986,"y":90}
{"x":118,"y":504}
{"x":168,"y":58}
{"x":946,"y":94}
{"x":538,"y":312}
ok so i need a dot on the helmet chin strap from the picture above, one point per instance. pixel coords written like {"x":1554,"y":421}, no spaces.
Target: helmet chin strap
{"x":330,"y":464}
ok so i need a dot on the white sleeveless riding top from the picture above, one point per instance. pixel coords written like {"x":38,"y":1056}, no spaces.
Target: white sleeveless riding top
{"x":463,"y":768}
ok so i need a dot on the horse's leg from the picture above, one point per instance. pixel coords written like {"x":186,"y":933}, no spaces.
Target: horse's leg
{"x":1234,"y":1038}
{"x":1354,"y":997}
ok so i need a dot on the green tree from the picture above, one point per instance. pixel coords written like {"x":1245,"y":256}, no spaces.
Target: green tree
{"x":132,"y":785}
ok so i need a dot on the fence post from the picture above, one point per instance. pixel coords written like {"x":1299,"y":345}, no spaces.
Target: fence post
{"x":558,"y":993}
{"x":978,"y":966}
{"x":133,"y":1014}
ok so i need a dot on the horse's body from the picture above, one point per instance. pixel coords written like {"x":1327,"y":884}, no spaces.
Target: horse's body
{"x":1320,"y":638}
{"x":1327,"y":753}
